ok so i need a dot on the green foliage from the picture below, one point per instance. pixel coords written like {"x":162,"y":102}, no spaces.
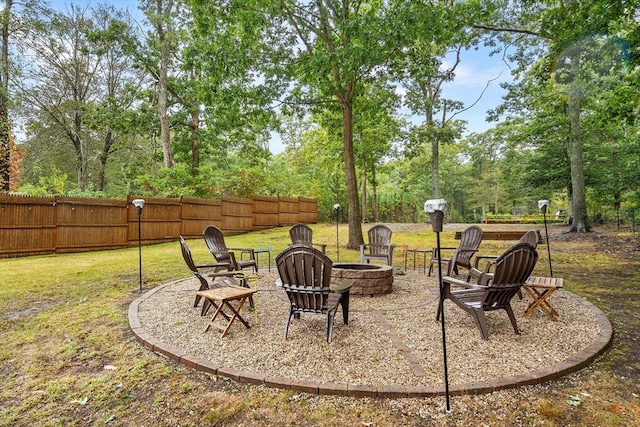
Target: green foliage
{"x":235,"y":64}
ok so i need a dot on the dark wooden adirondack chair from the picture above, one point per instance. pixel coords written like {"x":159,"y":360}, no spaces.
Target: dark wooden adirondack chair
{"x":493,"y":291}
{"x":379,"y":246}
{"x":302,"y":234}
{"x":305,"y":273}
{"x":470,"y":240}
{"x":214,"y":239}
{"x":531,"y":237}
{"x":202,"y":276}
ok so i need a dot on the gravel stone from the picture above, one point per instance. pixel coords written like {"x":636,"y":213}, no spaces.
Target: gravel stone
{"x":386,"y":333}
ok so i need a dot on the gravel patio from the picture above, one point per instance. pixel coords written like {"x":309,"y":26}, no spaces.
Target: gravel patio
{"x":392,"y":346}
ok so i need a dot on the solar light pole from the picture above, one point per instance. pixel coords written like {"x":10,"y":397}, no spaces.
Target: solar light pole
{"x":139,"y":204}
{"x":336,"y":208}
{"x":436,"y":208}
{"x":543,"y":204}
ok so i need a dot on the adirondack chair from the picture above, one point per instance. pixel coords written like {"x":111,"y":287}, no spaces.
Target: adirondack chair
{"x":475,"y":272}
{"x":305,"y":273}
{"x":303,"y":234}
{"x":493,"y":291}
{"x":219,"y":270}
{"x":214,"y":239}
{"x":469,"y":242}
{"x":379,"y":246}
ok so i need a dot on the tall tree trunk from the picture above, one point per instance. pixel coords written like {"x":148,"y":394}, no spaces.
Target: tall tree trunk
{"x":5,"y":128}
{"x":81,"y":157}
{"x":353,"y":212}
{"x":195,"y":126}
{"x":195,"y":142}
{"x":374,"y":185}
{"x":579,"y":201}
{"x":104,"y":156}
{"x":364,"y":188}
{"x":165,"y":48}
{"x":435,"y":153}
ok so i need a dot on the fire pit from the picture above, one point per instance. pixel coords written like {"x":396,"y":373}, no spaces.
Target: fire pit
{"x":368,"y":279}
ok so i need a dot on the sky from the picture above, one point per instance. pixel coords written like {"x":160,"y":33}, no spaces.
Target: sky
{"x":475,"y":70}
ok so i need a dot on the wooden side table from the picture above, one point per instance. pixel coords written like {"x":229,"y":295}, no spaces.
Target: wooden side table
{"x":424,"y":253}
{"x":540,"y":289}
{"x":221,"y":299}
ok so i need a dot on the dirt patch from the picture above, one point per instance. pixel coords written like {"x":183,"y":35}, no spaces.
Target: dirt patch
{"x":35,"y":307}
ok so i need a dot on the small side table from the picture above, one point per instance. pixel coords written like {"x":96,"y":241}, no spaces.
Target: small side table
{"x":221,"y":298}
{"x":424,"y":253}
{"x":540,"y":289}
{"x":257,"y":252}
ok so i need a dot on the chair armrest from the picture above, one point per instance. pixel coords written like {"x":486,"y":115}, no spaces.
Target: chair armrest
{"x":226,"y":273}
{"x":485,"y":279}
{"x":245,"y":250}
{"x":458,"y":282}
{"x":232,"y":257}
{"x":322,"y":246}
{"x":219,"y":264}
{"x":481,"y":257}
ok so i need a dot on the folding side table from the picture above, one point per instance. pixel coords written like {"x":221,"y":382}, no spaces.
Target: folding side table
{"x":221,"y":299}
{"x":540,"y":289}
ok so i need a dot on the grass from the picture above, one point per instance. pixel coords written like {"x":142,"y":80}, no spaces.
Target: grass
{"x":68,"y":357}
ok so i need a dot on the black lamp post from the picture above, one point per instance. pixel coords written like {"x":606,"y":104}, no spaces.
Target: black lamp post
{"x":336,"y":208}
{"x":436,"y":208}
{"x":543,"y":204}
{"x":139,"y":204}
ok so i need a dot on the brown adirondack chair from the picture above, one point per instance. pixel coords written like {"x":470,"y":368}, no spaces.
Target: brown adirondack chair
{"x":202,"y":276}
{"x":493,"y":291}
{"x":302,"y":234}
{"x":379,"y":246}
{"x":475,"y":272}
{"x":214,"y":239}
{"x":470,"y":240}
{"x":305,"y":273}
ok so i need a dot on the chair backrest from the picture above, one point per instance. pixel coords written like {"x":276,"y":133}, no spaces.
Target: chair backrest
{"x":188,"y":259}
{"x":214,"y":238}
{"x":305,"y":273}
{"x":513,"y":268}
{"x":531,"y":237}
{"x":379,"y":239}
{"x":470,"y":240}
{"x":301,"y":234}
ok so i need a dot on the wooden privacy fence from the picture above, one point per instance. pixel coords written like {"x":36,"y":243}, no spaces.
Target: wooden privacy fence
{"x":43,"y":225}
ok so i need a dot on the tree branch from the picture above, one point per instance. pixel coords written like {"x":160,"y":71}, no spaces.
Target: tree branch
{"x":507,"y":30}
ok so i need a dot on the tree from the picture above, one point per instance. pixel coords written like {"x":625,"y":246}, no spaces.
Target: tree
{"x":120,"y":85}
{"x":560,"y":29}
{"x":160,"y":15}
{"x":5,"y":128}
{"x":423,"y":72}
{"x":81,"y":88}
{"x":335,"y":46}
{"x":61,"y":80}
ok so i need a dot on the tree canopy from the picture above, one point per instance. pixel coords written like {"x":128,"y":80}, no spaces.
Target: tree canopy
{"x":182,"y":98}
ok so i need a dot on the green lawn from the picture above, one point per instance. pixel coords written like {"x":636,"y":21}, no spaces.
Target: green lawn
{"x":68,"y":356}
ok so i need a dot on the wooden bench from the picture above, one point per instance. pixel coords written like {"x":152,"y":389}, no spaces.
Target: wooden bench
{"x":502,"y":235}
